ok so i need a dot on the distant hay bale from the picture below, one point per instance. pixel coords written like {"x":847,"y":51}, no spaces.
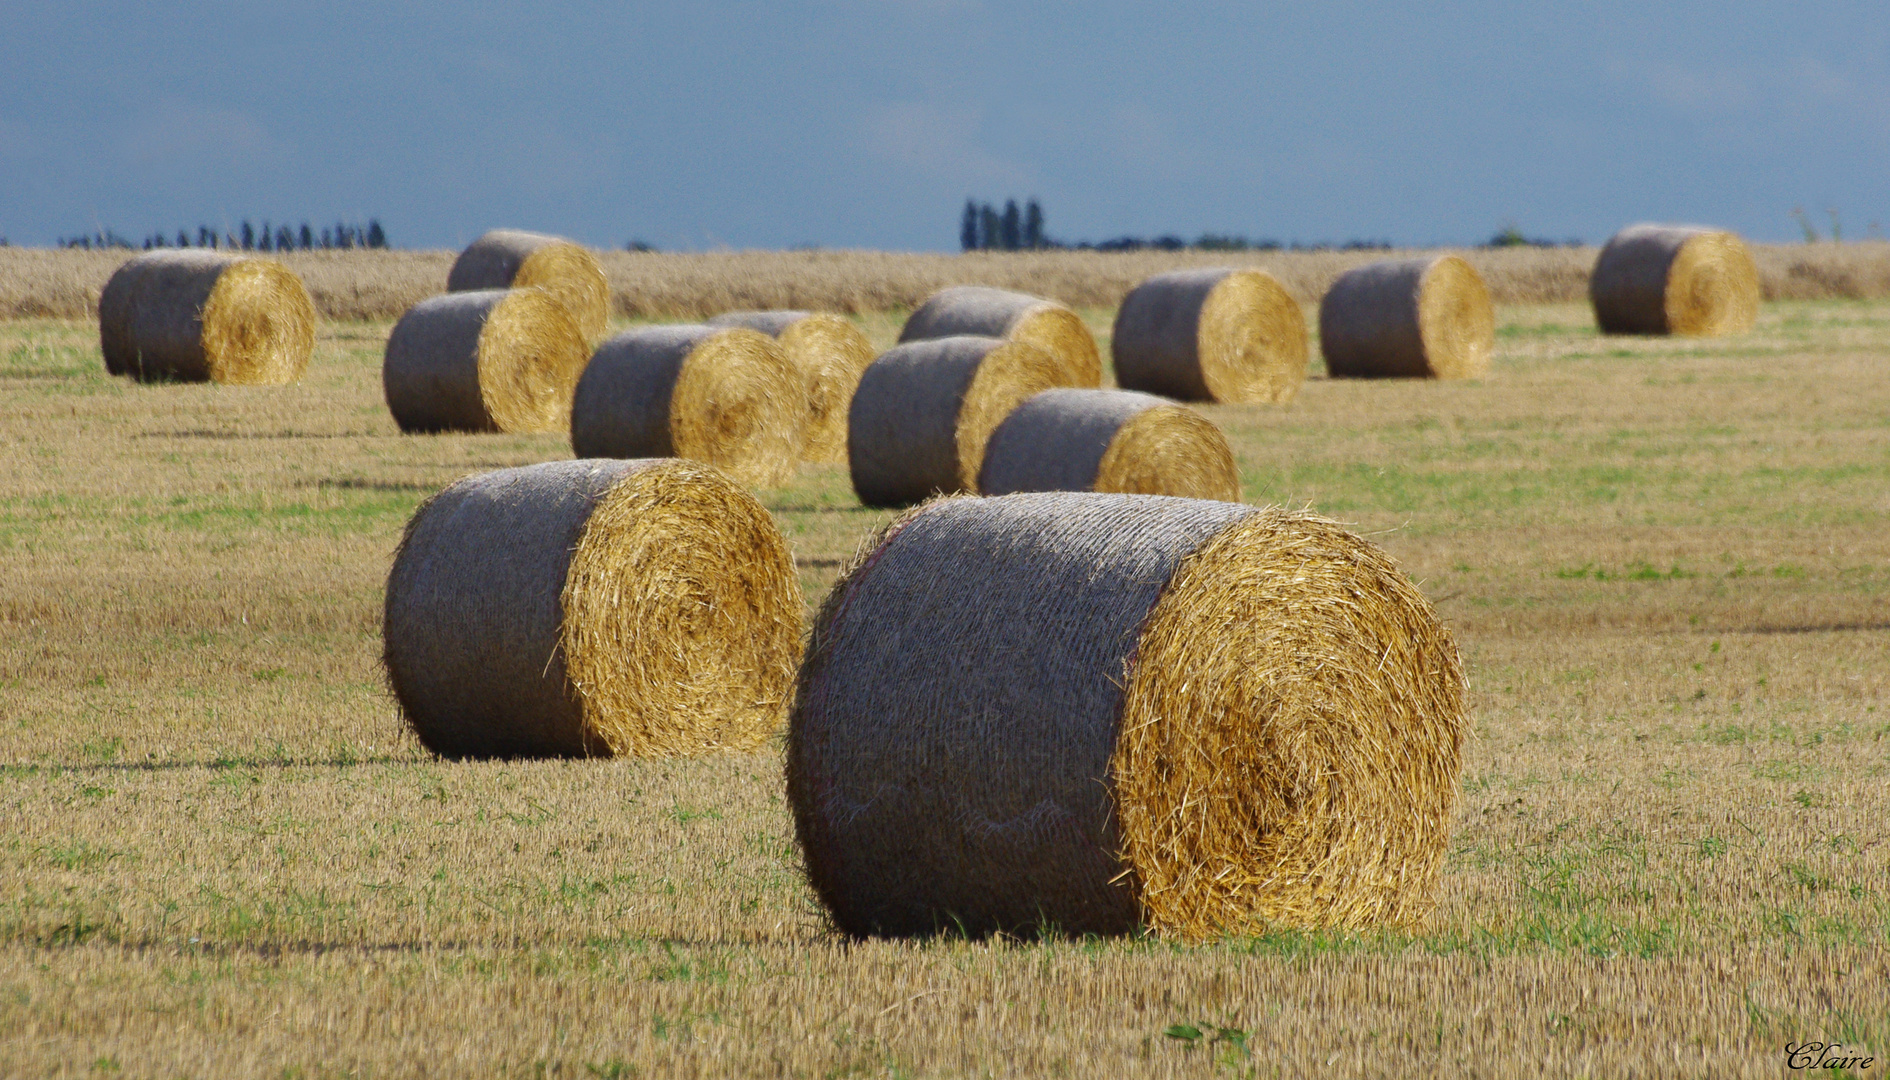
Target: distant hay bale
{"x":925,"y":410}
{"x":831,"y":353}
{"x":197,"y":316}
{"x":1211,"y":335}
{"x":496,"y":360}
{"x":976,"y":311}
{"x":1410,"y":319}
{"x":1109,"y":440}
{"x":1675,"y":279}
{"x":729,"y":397}
{"x":511,"y":259}
{"x":1103,"y":712}
{"x":592,"y":608}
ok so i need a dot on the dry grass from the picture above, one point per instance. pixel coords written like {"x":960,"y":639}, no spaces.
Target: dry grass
{"x":1666,"y":561}
{"x":36,"y":282}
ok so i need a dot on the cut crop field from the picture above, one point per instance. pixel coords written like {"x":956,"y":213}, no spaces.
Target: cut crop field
{"x":1667,"y":563}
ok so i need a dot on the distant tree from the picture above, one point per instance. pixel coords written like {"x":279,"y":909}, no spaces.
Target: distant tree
{"x":376,"y":236}
{"x":182,"y":240}
{"x":638,"y":245}
{"x":285,"y":239}
{"x":968,"y":227}
{"x":1013,"y":226}
{"x":990,"y":228}
{"x":249,"y":236}
{"x":266,"y":241}
{"x":307,"y":238}
{"x":1033,"y":225}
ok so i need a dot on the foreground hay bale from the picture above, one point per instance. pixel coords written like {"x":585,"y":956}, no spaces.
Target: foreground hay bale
{"x":1211,"y":335}
{"x":1103,"y":712}
{"x":498,"y":360}
{"x":727,"y":397}
{"x":925,"y":410}
{"x":592,"y":608}
{"x":1675,"y":279}
{"x":200,"y":316}
{"x":976,"y":311}
{"x":1408,"y":318}
{"x":511,"y":259}
{"x":831,"y":353}
{"x":1109,"y":440}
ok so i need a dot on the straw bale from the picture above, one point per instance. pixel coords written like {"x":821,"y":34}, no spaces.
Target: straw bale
{"x":729,"y":397}
{"x":511,"y":259}
{"x":1408,"y":318}
{"x":200,"y":316}
{"x":830,"y":352}
{"x":1109,"y":440}
{"x":1675,"y":279}
{"x":1101,"y":712}
{"x":977,"y":311}
{"x":925,"y":410}
{"x":1218,"y":334}
{"x":495,"y":360}
{"x":592,"y":608}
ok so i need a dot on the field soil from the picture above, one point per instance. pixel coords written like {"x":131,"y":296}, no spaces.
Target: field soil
{"x":221,"y":853}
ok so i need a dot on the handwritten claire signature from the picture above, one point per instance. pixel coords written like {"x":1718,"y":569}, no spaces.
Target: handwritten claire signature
{"x":1818,"y":1055}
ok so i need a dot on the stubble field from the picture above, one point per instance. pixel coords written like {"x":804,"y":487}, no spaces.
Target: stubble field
{"x":220,"y":854}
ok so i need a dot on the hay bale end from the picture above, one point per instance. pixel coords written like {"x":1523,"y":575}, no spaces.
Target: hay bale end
{"x":592,"y":608}
{"x":514,"y":259}
{"x":495,"y":360}
{"x":1226,"y":335}
{"x":830,"y":352}
{"x":728,"y":397}
{"x":1109,"y":440}
{"x":1675,"y":279}
{"x":1098,"y":713}
{"x":206,"y":316}
{"x":1426,"y":318}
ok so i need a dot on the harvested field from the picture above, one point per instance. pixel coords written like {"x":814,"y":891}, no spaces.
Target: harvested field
{"x":1666,"y":562}
{"x":36,"y":283}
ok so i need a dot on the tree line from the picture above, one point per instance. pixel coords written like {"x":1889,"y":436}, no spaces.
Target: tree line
{"x":982,"y":227}
{"x":340,"y":236}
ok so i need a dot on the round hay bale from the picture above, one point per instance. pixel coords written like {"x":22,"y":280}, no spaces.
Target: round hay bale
{"x":1211,"y":335}
{"x":497,"y":360}
{"x":1408,"y":319}
{"x":1109,"y":440}
{"x":977,"y":311}
{"x":1675,"y":279}
{"x":729,"y":397}
{"x":924,"y":412}
{"x":831,"y":353}
{"x":592,"y":608}
{"x":511,"y":259}
{"x":1103,"y":712}
{"x":205,"y":316}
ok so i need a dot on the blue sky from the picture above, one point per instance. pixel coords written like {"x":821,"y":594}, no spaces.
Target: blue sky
{"x":852,"y":123}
